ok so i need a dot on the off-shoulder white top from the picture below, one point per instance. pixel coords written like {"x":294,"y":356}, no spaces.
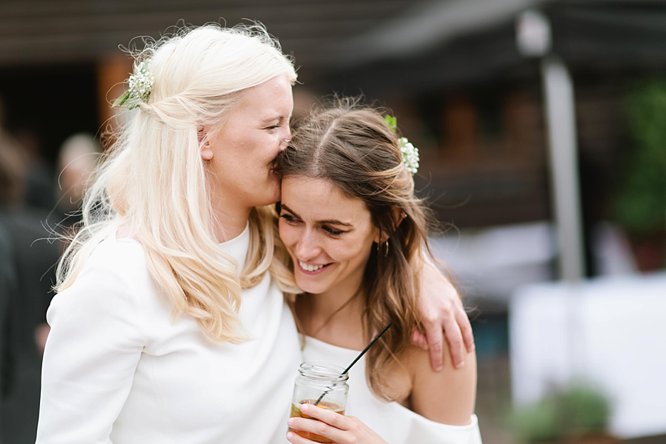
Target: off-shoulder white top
{"x":395,"y":423}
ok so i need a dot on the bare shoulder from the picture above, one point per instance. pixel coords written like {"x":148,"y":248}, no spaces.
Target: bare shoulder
{"x":447,"y":396}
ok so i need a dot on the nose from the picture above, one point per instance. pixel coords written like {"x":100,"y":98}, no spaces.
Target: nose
{"x":285,"y":140}
{"x":283,"y":144}
{"x":307,"y":247}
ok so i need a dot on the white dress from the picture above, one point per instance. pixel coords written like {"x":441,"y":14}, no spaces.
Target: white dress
{"x":119,"y":369}
{"x":395,"y":423}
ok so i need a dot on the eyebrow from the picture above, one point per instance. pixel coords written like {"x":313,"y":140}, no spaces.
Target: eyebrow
{"x":327,"y":221}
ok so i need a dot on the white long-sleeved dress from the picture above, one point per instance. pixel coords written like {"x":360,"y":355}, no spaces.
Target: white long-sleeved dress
{"x":118,"y":368}
{"x":395,"y":423}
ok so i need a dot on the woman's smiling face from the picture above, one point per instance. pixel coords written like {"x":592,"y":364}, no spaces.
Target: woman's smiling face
{"x":255,"y":130}
{"x":328,"y":234}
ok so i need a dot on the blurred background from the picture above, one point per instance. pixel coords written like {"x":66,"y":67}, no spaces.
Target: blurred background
{"x":542,"y":130}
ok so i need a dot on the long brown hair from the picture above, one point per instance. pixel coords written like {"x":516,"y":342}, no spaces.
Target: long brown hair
{"x":354,"y":148}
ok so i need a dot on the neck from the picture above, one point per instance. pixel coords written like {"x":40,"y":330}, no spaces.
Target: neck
{"x":229,"y":221}
{"x":332,"y":317}
{"x":229,"y":229}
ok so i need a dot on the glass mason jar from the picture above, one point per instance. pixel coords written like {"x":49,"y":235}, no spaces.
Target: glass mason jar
{"x":321,"y":384}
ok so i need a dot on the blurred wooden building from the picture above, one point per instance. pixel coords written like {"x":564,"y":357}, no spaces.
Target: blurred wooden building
{"x":450,"y":70}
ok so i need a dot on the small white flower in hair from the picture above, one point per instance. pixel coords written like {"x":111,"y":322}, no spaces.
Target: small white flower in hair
{"x":140,"y":84}
{"x":410,"y":155}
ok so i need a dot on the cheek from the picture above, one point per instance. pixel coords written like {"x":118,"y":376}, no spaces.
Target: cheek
{"x":362,"y":251}
{"x":286,"y":233}
{"x":282,"y":230}
{"x":348,"y":251}
{"x":272,"y":154}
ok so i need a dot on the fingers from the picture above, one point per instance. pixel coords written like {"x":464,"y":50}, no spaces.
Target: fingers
{"x":455,"y":340}
{"x":463,"y":324}
{"x":435,"y":338}
{"x":441,"y":308}
{"x":457,"y":331}
{"x":326,"y":415}
{"x":306,"y":428}
{"x":419,"y":340}
{"x":295,"y":438}
{"x":466,"y":329}
{"x":326,"y":424}
{"x":322,"y":422}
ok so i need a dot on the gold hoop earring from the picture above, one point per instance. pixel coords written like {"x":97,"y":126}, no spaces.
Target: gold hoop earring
{"x":385,"y":247}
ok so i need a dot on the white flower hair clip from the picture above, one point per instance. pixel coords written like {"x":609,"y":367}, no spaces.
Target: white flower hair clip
{"x":409,"y":153}
{"x":140,"y":84}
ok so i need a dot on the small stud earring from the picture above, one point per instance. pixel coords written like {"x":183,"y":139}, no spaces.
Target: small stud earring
{"x":207,"y":154}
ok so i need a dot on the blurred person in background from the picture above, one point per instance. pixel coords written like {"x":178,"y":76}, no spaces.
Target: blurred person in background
{"x":76,"y":163}
{"x":9,"y":191}
{"x":39,"y":192}
{"x":33,"y":260}
{"x":357,"y":258}
{"x":7,"y":288}
{"x":169,"y":324}
{"x":77,"y":159}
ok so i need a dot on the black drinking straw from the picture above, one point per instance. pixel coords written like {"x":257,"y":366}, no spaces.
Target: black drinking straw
{"x":367,"y":347}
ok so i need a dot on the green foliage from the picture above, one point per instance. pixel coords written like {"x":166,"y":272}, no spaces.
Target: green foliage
{"x":567,"y":412}
{"x":392,"y":122}
{"x":641,"y":201}
{"x":536,"y":422}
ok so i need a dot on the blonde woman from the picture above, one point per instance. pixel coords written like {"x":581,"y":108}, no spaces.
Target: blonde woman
{"x":169,"y":324}
{"x":357,"y":259}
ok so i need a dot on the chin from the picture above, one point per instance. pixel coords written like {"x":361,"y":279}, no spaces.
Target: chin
{"x":269,"y":198}
{"x":308,"y":287}
{"x":272,"y":192}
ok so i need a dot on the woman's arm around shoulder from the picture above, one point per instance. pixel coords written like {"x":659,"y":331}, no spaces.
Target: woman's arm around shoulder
{"x":445,"y":323}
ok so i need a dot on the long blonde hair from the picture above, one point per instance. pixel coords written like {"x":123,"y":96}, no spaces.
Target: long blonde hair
{"x":153,"y":179}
